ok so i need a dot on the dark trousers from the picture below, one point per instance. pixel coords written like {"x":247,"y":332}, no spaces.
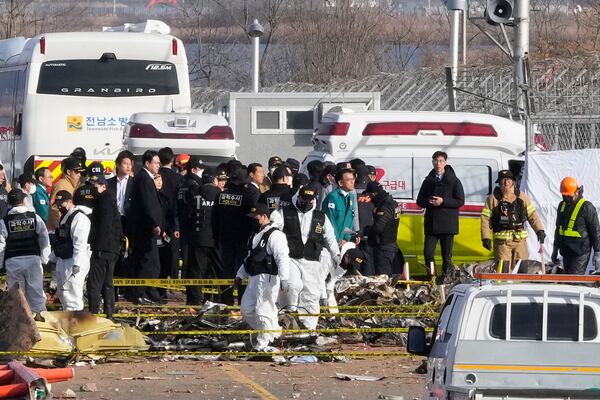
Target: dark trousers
{"x":146,"y":262}
{"x":203,"y":263}
{"x":233,"y":255}
{"x":383,"y":257}
{"x":446,"y":244}
{"x":99,"y":282}
{"x":576,"y":265}
{"x":169,"y":262}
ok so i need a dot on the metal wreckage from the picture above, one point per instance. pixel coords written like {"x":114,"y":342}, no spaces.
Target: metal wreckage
{"x":373,"y":311}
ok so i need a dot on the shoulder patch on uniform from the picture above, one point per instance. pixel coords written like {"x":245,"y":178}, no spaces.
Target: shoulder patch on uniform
{"x":331,"y":205}
{"x":43,"y":202}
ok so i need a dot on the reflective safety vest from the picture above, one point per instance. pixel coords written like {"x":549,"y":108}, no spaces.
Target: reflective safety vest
{"x":570,"y":232}
{"x":508,"y":219}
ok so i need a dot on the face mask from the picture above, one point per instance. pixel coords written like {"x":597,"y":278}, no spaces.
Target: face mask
{"x":199,"y":173}
{"x":303,"y":206}
{"x":32,"y":189}
{"x":63,"y":210}
{"x":255,"y":225}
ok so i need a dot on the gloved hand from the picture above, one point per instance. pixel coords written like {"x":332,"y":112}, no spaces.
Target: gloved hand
{"x":554,"y":256}
{"x":284,"y":285}
{"x":487,"y":243}
{"x":237,"y":282}
{"x":596,"y":262}
{"x":75,"y":269}
{"x":541,"y":235}
{"x":337,"y":259}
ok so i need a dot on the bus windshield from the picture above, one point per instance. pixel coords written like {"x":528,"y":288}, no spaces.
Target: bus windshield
{"x":108,"y":78}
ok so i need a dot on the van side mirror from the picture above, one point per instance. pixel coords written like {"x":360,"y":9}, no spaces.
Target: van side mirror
{"x":417,"y":341}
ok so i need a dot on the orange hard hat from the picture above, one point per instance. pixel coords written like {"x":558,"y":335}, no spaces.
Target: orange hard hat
{"x":568,"y":186}
{"x":182,"y":159}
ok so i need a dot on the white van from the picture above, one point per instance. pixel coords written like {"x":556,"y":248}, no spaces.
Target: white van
{"x":206,"y":135}
{"x":399,"y":144}
{"x":514,"y":341}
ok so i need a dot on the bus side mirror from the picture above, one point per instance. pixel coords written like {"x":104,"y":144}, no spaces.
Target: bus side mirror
{"x":417,"y":341}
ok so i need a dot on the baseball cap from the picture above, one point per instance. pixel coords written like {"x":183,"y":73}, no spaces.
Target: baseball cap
{"x":62,"y":196}
{"x":372,"y":170}
{"x":280,"y":172}
{"x":356,"y":258}
{"x":73,"y":164}
{"x":357,"y":162}
{"x":239,"y":177}
{"x":293,"y":164}
{"x":16,"y":197}
{"x":373,"y":187}
{"x":275,"y":161}
{"x":222,"y":175}
{"x":195,"y":162}
{"x":95,"y":168}
{"x":307,"y":193}
{"x":505,"y":173}
{"x":344,"y":166}
{"x":259,"y":209}
{"x":97,"y":179}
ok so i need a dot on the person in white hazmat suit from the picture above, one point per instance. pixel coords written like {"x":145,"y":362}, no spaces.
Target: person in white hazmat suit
{"x":308,"y":231}
{"x":71,"y":251}
{"x":267,"y":267}
{"x":24,"y":247}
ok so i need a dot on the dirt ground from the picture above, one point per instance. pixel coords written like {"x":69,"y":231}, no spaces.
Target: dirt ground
{"x":186,"y":379}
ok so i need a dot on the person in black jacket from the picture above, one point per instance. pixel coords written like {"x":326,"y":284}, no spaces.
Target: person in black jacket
{"x":171,"y":182}
{"x":170,"y":228}
{"x":194,"y":169}
{"x":577,"y":230}
{"x":105,"y":241}
{"x":204,"y":258}
{"x":279,"y":195}
{"x":441,"y":195}
{"x":232,"y":226}
{"x":146,"y":218}
{"x":384,"y":231}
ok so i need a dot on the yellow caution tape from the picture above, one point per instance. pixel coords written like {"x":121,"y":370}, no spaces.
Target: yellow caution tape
{"x":351,"y":307}
{"x":356,"y":354}
{"x":282,"y":331}
{"x":342,"y":314}
{"x":205,"y":282}
{"x":173,"y":282}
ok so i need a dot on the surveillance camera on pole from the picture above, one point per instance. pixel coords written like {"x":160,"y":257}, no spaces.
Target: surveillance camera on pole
{"x":499,"y":11}
{"x":255,"y":31}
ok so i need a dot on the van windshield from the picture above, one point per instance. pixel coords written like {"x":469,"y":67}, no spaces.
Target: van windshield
{"x":108,"y":78}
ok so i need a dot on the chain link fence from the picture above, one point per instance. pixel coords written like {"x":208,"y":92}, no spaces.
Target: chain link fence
{"x":567,"y":132}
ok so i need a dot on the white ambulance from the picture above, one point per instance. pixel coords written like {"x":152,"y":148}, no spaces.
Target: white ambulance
{"x":399,"y":144}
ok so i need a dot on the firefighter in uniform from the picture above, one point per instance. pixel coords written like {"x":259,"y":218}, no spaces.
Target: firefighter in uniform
{"x":71,"y":251}
{"x":24,"y":247}
{"x":308,"y":231}
{"x":267,"y":268}
{"x":577,"y":231}
{"x":503,"y":216}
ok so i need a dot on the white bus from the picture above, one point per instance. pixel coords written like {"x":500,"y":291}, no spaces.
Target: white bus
{"x":59,"y":91}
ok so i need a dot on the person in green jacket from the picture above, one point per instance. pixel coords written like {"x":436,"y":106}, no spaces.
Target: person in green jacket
{"x":41,"y":198}
{"x":338,"y":206}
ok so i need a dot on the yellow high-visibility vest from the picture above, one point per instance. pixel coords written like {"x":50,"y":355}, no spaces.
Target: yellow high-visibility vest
{"x":569,"y":232}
